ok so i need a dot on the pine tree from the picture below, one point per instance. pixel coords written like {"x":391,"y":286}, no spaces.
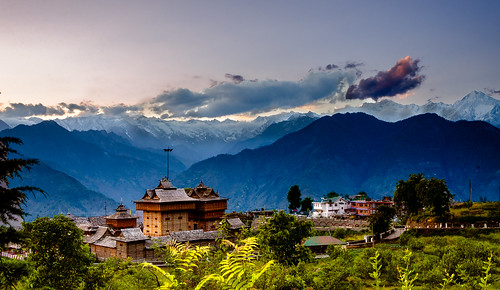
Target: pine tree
{"x":11,"y":199}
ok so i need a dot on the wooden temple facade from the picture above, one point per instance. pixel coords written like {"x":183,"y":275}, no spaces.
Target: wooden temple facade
{"x":167,"y":209}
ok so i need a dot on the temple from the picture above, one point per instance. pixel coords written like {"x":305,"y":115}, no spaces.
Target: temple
{"x":167,"y":209}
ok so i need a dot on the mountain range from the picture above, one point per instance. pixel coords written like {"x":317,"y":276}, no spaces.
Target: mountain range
{"x":63,"y":195}
{"x":196,"y":140}
{"x":354,"y":152}
{"x":475,"y":106}
{"x":102,"y":162}
{"x":119,"y":157}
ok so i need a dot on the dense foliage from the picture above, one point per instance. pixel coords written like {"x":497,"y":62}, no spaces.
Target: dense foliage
{"x":293,"y":198}
{"x":58,"y":255}
{"x":418,"y":193}
{"x":281,"y":236}
{"x":11,"y":199}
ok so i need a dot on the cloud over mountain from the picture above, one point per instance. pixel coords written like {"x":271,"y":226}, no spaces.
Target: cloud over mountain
{"x":239,"y":96}
{"x":399,"y":79}
{"x":251,"y":96}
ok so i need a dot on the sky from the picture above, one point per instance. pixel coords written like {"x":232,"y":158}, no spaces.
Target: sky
{"x":241,"y":59}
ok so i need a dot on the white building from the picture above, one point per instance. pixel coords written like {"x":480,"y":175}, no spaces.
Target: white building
{"x":328,"y":207}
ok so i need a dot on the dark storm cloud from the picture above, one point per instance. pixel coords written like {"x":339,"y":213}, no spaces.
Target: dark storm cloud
{"x":235,"y":78}
{"x":121,"y":109}
{"x":250,"y":97}
{"x":83,"y":107}
{"x":400,"y":79}
{"x":19,"y":110}
{"x":331,"y":66}
{"x":353,"y":65}
{"x":492,"y":91}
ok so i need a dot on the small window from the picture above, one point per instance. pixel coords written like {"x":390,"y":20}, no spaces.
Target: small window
{"x":156,"y":218}
{"x":167,"y":218}
{"x":180,"y":217}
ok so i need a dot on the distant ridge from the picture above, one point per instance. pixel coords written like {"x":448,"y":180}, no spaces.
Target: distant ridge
{"x":64,"y":195}
{"x":475,"y":106}
{"x":356,"y":152}
{"x":102,"y":162}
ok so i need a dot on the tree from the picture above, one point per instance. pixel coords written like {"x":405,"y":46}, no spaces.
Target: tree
{"x":435,"y":196}
{"x":293,"y":198}
{"x":306,"y":205}
{"x":332,"y":194}
{"x":281,"y":236}
{"x":11,"y":199}
{"x":406,"y":197}
{"x":58,"y":254}
{"x":419,"y":192}
{"x":381,"y":220}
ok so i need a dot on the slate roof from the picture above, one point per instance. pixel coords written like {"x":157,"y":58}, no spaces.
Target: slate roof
{"x":121,"y":213}
{"x":131,"y":235}
{"x":101,"y":231}
{"x":202,"y":192}
{"x":235,"y":223}
{"x":188,"y":236}
{"x":108,"y":242}
{"x":322,"y":241}
{"x":165,"y":192}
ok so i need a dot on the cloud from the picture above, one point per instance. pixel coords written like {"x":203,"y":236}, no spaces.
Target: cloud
{"x":492,"y":92}
{"x":251,"y":97}
{"x":401,"y":78}
{"x":331,"y":66}
{"x":19,"y":110}
{"x":234,"y":78}
{"x":352,"y":65}
{"x":83,"y":107}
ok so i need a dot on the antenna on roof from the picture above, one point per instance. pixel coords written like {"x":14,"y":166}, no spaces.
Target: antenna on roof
{"x":168,"y":150}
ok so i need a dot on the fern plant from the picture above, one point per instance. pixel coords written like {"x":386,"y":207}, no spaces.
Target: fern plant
{"x":179,"y":257}
{"x":448,"y":280}
{"x":238,"y":270}
{"x":406,"y":278}
{"x":375,"y":261}
{"x":486,"y":270}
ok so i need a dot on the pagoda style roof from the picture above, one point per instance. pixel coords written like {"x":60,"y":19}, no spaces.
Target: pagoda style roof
{"x":165,"y":193}
{"x":202,"y":192}
{"x":121,"y":213}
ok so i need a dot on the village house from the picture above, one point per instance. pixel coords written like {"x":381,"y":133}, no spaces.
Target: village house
{"x":328,"y":207}
{"x":366,"y":207}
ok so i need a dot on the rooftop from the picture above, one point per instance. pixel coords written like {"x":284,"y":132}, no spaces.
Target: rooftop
{"x":322,"y":241}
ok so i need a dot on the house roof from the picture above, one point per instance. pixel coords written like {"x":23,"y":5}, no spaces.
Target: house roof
{"x":322,"y":241}
{"x":131,"y":235}
{"x":99,"y":234}
{"x":188,"y":236}
{"x":235,"y":223}
{"x":333,"y":199}
{"x":162,"y":195}
{"x":202,"y":192}
{"x":108,"y":242}
{"x":121,"y":213}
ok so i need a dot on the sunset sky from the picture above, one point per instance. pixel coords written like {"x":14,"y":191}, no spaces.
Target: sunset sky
{"x":207,"y":59}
